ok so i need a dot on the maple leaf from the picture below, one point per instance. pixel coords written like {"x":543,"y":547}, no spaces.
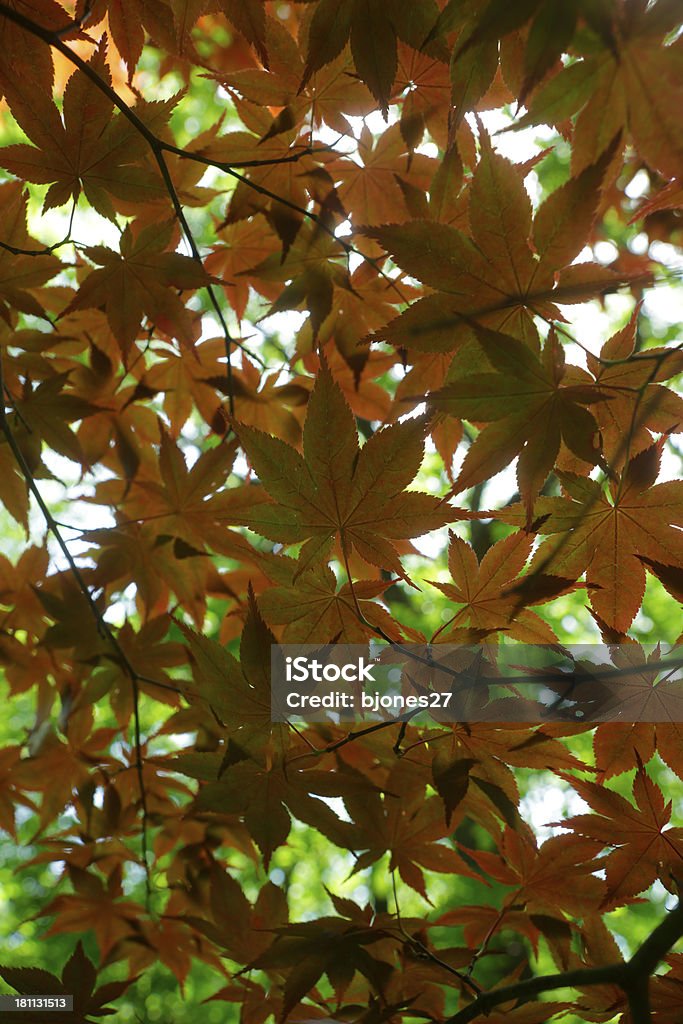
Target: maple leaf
{"x":10,"y":793}
{"x":427,"y":373}
{"x":607,"y":533}
{"x":78,"y":979}
{"x":532,"y":406}
{"x":138,"y":282}
{"x":47,"y":410}
{"x":646,"y":704}
{"x":488,"y":591}
{"x":64,"y":764}
{"x":367,"y":398}
{"x":667,"y":990}
{"x":173,"y":943}
{"x":369,"y":188}
{"x":408,"y":827}
{"x":315,"y":611}
{"x":196,"y":378}
{"x":645,"y":845}
{"x":20,"y":57}
{"x":276,"y":85}
{"x":89,"y":151}
{"x":336,"y":93}
{"x":474,"y":57}
{"x":310,"y":273}
{"x":333,"y":946}
{"x":360,"y":304}
{"x":526,"y":1013}
{"x":242,"y":929}
{"x":611,"y":90}
{"x":544,"y":878}
{"x":266,"y":794}
{"x":373,"y":28}
{"x":426,"y":102}
{"x":239,"y":693}
{"x":249,"y":18}
{"x":493,"y":277}
{"x":64,"y":150}
{"x":598,"y":948}
{"x":337,"y":489}
{"x":189,"y":504}
{"x":274,"y":174}
{"x":20,"y":274}
{"x":158,"y":563}
{"x":13,"y":489}
{"x":16,"y":593}
{"x":633,"y":401}
{"x":242,"y":245}
{"x":127,"y":28}
{"x":260,"y":400}
{"x":152,"y":655}
{"x":280,"y":85}
{"x":93,"y":907}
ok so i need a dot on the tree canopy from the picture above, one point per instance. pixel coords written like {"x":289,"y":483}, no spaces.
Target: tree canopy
{"x":321,"y":322}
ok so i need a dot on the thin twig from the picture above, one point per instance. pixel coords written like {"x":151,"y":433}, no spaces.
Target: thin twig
{"x":423,"y":952}
{"x":182,"y":220}
{"x":48,"y":249}
{"x":227,"y":167}
{"x":77,"y":23}
{"x":18,"y":251}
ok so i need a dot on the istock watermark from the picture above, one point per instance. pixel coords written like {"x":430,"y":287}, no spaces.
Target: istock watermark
{"x":301,"y":670}
{"x":480,"y":683}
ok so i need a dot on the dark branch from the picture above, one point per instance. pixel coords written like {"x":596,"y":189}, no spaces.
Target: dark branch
{"x":102,"y":625}
{"x":632,"y":977}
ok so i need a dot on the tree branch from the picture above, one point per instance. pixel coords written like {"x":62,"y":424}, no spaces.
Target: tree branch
{"x":102,"y":625}
{"x":419,"y":949}
{"x":632,"y":977}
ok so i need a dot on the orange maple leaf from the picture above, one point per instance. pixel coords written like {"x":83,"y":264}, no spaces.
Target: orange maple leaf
{"x":337,"y":489}
{"x":646,"y":847}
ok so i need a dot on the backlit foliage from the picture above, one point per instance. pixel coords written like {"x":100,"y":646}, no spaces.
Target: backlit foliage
{"x":275,"y":310}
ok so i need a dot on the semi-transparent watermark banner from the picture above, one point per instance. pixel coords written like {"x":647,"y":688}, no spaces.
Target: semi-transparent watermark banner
{"x":480,"y":683}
